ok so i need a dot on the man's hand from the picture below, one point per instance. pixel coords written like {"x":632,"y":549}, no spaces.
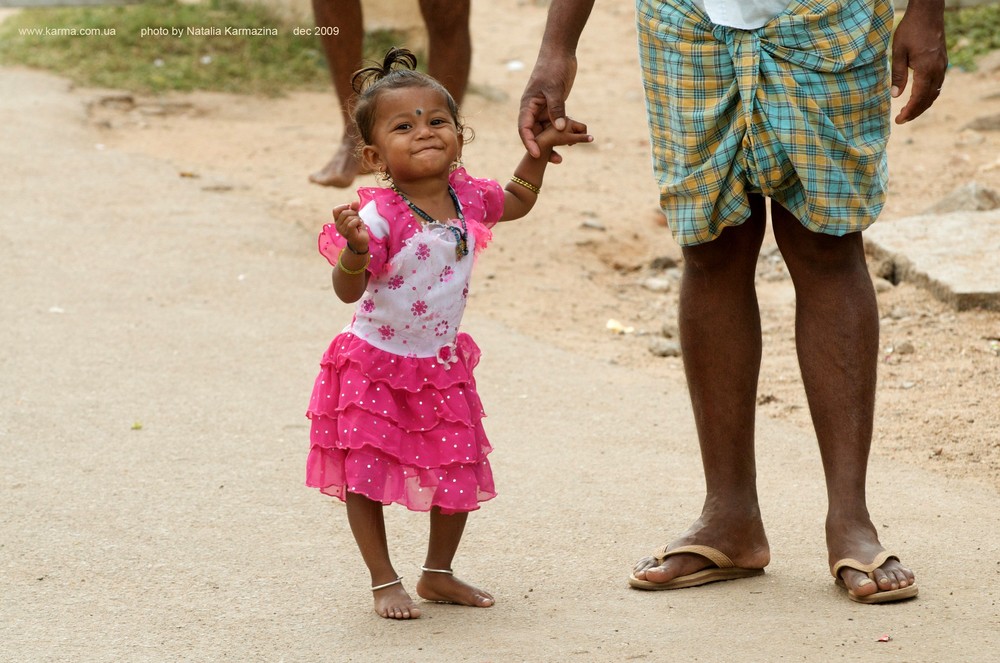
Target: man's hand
{"x":919,"y":44}
{"x":544,"y":101}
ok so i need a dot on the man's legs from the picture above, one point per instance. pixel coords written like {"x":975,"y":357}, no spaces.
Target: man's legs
{"x":449,"y":61}
{"x":721,"y":345}
{"x":836,"y":332}
{"x":343,"y":57}
{"x":449,"y":43}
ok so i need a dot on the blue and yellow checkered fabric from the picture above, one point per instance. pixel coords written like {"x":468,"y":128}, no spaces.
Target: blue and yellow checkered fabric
{"x":797,"y":110}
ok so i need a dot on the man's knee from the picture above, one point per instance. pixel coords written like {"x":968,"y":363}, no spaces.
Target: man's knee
{"x":814,"y":251}
{"x":806,"y":249}
{"x":445,"y":18}
{"x":736,"y":248}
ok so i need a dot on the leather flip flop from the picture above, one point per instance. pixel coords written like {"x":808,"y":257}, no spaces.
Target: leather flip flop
{"x":886,"y":596}
{"x":724,"y":569}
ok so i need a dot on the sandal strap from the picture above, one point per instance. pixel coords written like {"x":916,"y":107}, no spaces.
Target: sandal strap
{"x":388,"y":584}
{"x":717,"y":557}
{"x":445,"y":571}
{"x":849,"y":563}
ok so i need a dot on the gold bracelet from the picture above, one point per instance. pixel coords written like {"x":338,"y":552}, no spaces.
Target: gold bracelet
{"x":527,"y":185}
{"x":352,"y":272}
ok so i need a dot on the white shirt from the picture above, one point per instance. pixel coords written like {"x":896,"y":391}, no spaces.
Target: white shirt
{"x":743,"y":14}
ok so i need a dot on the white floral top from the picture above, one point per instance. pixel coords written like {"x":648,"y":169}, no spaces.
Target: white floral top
{"x":418,"y":288}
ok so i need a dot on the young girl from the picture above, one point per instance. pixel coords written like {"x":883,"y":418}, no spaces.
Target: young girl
{"x":395,"y":414}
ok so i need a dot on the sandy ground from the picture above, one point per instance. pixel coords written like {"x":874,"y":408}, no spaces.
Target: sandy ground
{"x":168,"y":309}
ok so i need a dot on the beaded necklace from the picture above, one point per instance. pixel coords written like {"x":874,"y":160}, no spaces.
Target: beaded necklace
{"x":461,"y":236}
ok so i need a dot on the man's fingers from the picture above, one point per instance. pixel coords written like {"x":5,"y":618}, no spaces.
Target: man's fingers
{"x":528,"y":139}
{"x":537,"y":109}
{"x":922,"y":95}
{"x":557,"y":114}
{"x":900,"y":71}
{"x":918,"y":46}
{"x":527,"y":121}
{"x":925,"y":88}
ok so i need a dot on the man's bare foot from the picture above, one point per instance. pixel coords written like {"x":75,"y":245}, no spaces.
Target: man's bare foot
{"x":446,"y":588}
{"x":341,"y":170}
{"x":857,"y":539}
{"x":744,"y":542}
{"x":393,"y":602}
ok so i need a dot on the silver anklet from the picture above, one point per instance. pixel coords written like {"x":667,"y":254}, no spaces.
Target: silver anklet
{"x":445,"y":571}
{"x":388,"y":584}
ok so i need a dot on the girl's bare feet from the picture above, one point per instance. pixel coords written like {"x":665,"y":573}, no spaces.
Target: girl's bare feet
{"x":392,"y":602}
{"x":341,"y":170}
{"x":443,"y":587}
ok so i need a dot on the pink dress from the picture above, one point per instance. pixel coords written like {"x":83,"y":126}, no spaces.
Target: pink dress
{"x":395,"y":414}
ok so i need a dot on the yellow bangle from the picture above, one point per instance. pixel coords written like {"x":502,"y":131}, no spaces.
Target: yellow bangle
{"x":353,"y":272}
{"x":527,"y":185}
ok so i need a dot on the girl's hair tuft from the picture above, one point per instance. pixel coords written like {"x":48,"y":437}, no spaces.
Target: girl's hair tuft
{"x":396,"y":59}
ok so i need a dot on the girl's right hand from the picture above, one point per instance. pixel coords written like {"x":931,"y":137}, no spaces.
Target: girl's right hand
{"x":573,"y":133}
{"x":351,"y":227}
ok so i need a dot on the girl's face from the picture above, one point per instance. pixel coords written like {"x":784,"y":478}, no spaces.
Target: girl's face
{"x":414,"y":135}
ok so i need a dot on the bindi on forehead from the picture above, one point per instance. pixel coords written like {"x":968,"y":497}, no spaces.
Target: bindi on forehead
{"x":419,"y":112}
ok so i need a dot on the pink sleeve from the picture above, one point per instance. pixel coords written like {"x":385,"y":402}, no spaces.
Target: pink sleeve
{"x":493,"y":201}
{"x":331,"y":243}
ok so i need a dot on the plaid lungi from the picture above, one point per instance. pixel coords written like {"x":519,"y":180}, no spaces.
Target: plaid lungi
{"x":797,"y":110}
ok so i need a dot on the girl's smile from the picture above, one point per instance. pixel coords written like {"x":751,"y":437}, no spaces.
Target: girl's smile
{"x":415,"y":135}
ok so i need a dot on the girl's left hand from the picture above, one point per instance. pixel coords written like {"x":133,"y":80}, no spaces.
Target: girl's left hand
{"x":575,"y":132}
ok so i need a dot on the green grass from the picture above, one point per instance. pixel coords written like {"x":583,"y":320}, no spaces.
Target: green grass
{"x":120,"y":56}
{"x":972,"y":32}
{"x":268,"y":65}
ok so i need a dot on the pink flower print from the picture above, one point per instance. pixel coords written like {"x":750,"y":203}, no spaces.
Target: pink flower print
{"x":423,"y":251}
{"x":387,"y":332}
{"x":396,"y":282}
{"x":446,"y":274}
{"x":447,"y":356}
{"x":441,"y":328}
{"x":419,"y":308}
{"x":465,"y":292}
{"x":368,"y":306}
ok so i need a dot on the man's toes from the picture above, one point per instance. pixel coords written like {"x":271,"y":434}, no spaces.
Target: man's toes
{"x":885,"y":580}
{"x":657,"y":574}
{"x":643,"y":565}
{"x":902,"y":580}
{"x":859,"y":583}
{"x":893,"y":578}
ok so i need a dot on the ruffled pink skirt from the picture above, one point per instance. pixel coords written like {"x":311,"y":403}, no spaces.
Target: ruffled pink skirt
{"x":399,"y":429}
